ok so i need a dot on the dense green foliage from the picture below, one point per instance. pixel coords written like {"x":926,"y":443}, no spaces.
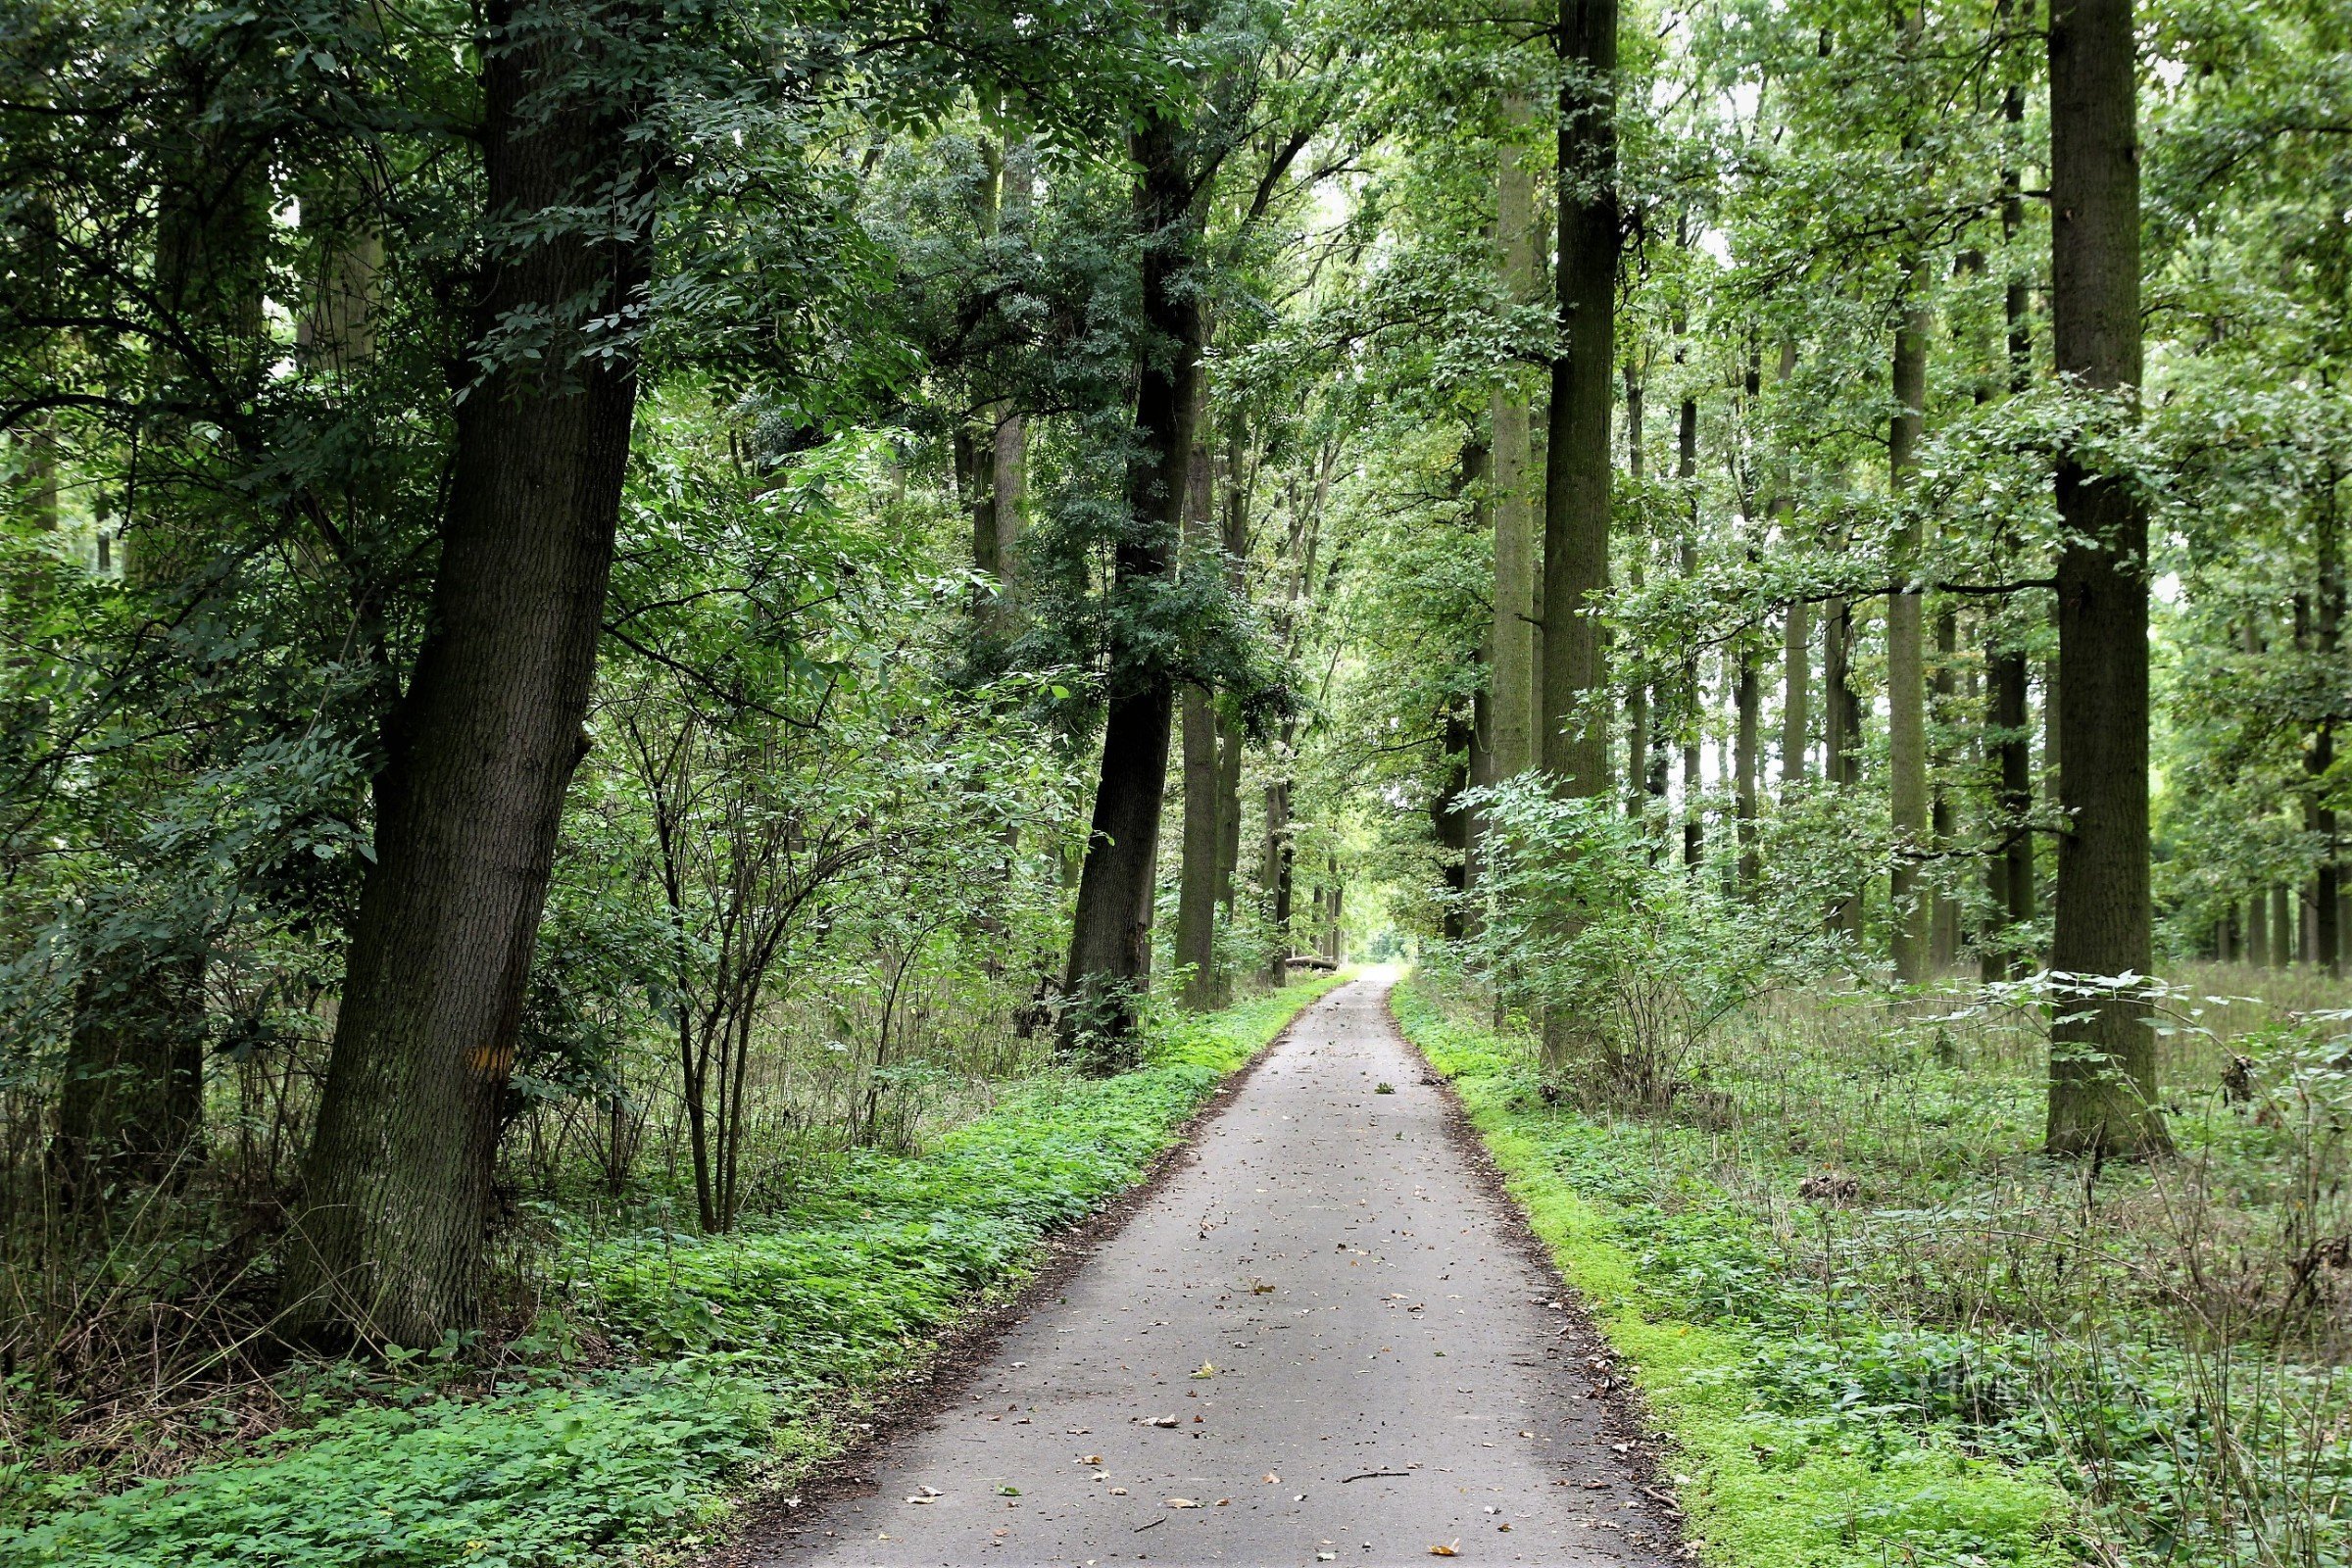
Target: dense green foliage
{"x":744,"y":1353}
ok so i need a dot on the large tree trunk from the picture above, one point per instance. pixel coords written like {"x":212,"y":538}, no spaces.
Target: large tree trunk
{"x":397,"y":1186}
{"x":1906,"y":671}
{"x":1111,"y":938}
{"x":2103,"y":1054}
{"x":1512,"y":653}
{"x":1577,"y":473}
{"x":1577,"y":479}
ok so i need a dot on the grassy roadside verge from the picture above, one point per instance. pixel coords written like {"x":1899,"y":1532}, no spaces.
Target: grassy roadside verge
{"x":743,"y":1356}
{"x":1686,"y":1293}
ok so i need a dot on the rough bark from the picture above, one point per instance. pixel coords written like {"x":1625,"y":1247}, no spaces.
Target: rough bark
{"x":1111,"y":938}
{"x":397,"y":1186}
{"x":2103,"y":1058}
{"x":1512,"y":653}
{"x":1906,"y":675}
{"x":1577,"y":470}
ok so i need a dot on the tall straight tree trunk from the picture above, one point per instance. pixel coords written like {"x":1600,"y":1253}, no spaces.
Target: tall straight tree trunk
{"x":1797,"y":692}
{"x":2010,"y":866}
{"x":1512,"y":653}
{"x":397,"y":1186}
{"x":1943,"y":948}
{"x":2320,"y":760}
{"x":1203,"y":833}
{"x":2283,"y":927}
{"x":2103,"y":1054}
{"x":1450,"y":820}
{"x":1577,"y":470}
{"x":1110,"y":938}
{"x":2258,"y":929}
{"x":1906,"y":675}
{"x":1197,"y":894}
{"x":1842,"y":714}
{"x":1636,"y":690}
{"x":1281,"y":858}
{"x":1577,"y":479}
{"x":1686,"y":471}
{"x":1749,"y":705}
{"x":1235,"y":539}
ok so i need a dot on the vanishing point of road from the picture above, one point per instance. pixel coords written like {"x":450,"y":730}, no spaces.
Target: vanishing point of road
{"x":1322,"y":1339}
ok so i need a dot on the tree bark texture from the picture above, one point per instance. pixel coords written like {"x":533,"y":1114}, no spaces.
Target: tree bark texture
{"x":397,"y":1186}
{"x":2103,"y":1054}
{"x":1512,"y":655}
{"x":1110,"y":940}
{"x":1906,"y":669}
{"x":1575,"y":743}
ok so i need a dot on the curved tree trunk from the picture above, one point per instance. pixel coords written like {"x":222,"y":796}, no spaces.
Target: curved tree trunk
{"x":397,"y":1186}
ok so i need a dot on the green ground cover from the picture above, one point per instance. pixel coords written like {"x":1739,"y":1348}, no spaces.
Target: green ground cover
{"x":1806,"y":1432}
{"x":742,"y":1359}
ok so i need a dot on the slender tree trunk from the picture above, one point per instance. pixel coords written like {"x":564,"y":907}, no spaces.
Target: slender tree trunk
{"x":1451,"y":820}
{"x":1281,"y":854}
{"x":1749,"y":700}
{"x":397,"y":1186}
{"x":2010,"y":866}
{"x":1203,"y":833}
{"x":1110,"y":940}
{"x":1906,"y":682}
{"x":1686,"y":471}
{"x":2103,"y":1054}
{"x":2319,"y":760}
{"x":1841,"y":726}
{"x":1944,"y":943}
{"x":1636,"y":690}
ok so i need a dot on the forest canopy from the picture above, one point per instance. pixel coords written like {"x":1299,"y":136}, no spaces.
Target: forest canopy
{"x":604,"y":601}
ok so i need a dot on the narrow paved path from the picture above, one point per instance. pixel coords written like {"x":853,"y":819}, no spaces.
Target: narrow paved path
{"x":1321,"y":1341}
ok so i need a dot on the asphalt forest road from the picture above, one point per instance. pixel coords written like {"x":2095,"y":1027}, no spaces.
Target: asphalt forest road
{"x":1322,"y":1341}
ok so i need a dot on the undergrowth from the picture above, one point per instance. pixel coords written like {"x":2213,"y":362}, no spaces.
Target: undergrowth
{"x":1720,"y":1339}
{"x":1885,"y":1328}
{"x":731,"y":1358}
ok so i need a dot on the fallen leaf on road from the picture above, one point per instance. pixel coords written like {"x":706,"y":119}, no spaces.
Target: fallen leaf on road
{"x":1260,"y":1287}
{"x":1208,"y":1369}
{"x":1090,"y":1459}
{"x":1182,"y":1503}
{"x":1450,"y":1549}
{"x":1008,"y":1491}
{"x":1197,"y":1420}
{"x":1158,"y":1420}
{"x":1272,"y":1478}
{"x":1118,"y":1492}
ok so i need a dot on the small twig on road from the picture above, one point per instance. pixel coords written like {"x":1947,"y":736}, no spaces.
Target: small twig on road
{"x":1401,"y":1475}
{"x":1140,"y":1528}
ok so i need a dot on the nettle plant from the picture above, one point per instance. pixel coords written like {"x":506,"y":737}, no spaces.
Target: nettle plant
{"x":1592,"y":926}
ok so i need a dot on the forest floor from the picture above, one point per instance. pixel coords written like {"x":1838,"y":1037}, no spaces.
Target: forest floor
{"x":1327,"y":1337}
